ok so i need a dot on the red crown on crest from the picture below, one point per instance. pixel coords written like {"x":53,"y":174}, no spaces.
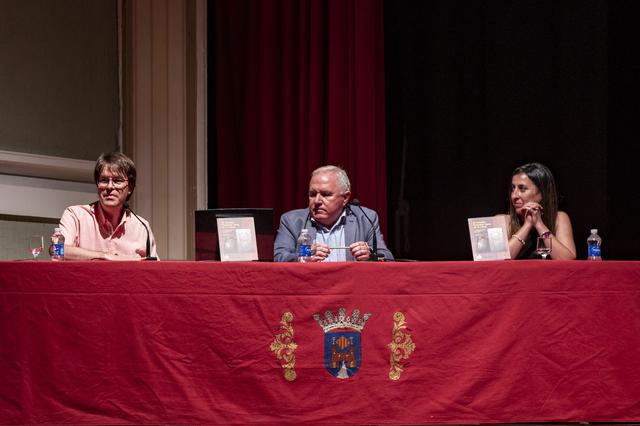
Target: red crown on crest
{"x":331,"y":321}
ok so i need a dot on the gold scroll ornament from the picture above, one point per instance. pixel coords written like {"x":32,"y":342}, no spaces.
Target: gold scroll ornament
{"x":284,"y":347}
{"x":401,"y":346}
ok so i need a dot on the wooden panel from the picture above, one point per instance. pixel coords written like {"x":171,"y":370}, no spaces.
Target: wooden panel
{"x":156,"y":120}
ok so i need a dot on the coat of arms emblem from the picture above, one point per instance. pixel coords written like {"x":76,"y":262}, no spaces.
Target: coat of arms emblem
{"x":342,"y":341}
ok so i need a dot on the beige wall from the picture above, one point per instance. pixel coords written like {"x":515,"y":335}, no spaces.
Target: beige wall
{"x":59,"y":77}
{"x":15,"y":233}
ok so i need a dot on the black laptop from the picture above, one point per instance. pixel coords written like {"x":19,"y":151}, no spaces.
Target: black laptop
{"x":207,"y":246}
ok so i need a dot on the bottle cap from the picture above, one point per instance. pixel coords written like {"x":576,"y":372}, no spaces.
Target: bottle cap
{"x":594,"y":231}
{"x":304,"y":230}
{"x":58,"y":229}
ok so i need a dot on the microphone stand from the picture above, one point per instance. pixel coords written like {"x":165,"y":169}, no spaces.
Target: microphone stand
{"x":374,"y":257}
{"x":148,"y":246}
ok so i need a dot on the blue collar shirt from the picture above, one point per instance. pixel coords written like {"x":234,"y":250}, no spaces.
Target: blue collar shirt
{"x":333,"y":237}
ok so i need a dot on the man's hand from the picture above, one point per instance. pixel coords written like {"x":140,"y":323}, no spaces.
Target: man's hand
{"x":116,"y":256}
{"x":360,"y":250}
{"x":319,"y":252}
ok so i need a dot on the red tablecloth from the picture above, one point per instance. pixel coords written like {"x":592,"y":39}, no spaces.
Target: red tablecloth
{"x":186,"y":342}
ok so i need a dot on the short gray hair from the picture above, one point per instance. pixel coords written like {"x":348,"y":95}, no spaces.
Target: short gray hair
{"x":341,"y":175}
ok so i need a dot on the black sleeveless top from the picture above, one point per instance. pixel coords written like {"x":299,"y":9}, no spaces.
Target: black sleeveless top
{"x":528,"y":251}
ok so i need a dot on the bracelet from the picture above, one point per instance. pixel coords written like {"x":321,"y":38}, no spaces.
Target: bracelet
{"x":546,"y":234}
{"x":519,"y":239}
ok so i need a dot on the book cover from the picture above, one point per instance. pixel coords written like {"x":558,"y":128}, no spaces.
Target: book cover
{"x":237,"y":238}
{"x":489,"y":238}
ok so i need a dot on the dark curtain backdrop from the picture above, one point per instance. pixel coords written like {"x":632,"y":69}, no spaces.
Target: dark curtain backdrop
{"x":475,"y":89}
{"x":297,"y":84}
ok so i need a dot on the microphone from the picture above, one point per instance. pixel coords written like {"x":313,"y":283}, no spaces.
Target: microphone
{"x":148,"y":248}
{"x":374,"y":255}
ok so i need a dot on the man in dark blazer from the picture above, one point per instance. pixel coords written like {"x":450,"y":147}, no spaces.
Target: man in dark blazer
{"x":341,"y":231}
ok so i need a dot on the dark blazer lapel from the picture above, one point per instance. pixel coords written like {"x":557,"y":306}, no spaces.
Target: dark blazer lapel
{"x":309,"y":224}
{"x":350,"y":229}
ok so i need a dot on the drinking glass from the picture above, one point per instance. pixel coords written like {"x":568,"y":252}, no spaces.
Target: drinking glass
{"x":36,"y":243}
{"x":543,"y":247}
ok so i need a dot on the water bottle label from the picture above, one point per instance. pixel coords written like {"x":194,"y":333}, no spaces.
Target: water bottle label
{"x":304,"y":250}
{"x":594,"y":251}
{"x":58,"y":250}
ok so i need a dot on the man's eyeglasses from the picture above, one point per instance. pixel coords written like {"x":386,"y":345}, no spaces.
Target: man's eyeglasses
{"x":117,"y":183}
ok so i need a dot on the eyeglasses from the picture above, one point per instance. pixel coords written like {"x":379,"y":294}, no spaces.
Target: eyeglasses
{"x":117,"y":182}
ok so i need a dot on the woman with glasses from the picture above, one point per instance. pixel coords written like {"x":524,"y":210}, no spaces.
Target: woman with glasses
{"x":107,"y":229}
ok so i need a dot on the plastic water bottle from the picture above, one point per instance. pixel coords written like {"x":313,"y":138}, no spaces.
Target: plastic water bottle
{"x":57,"y":245}
{"x":304,"y":246}
{"x":593,"y":246}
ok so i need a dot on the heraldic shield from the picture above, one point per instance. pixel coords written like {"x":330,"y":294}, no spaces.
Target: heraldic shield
{"x":342,"y":342}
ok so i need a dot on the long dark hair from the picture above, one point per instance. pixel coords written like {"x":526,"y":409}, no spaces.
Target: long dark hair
{"x":542,"y":177}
